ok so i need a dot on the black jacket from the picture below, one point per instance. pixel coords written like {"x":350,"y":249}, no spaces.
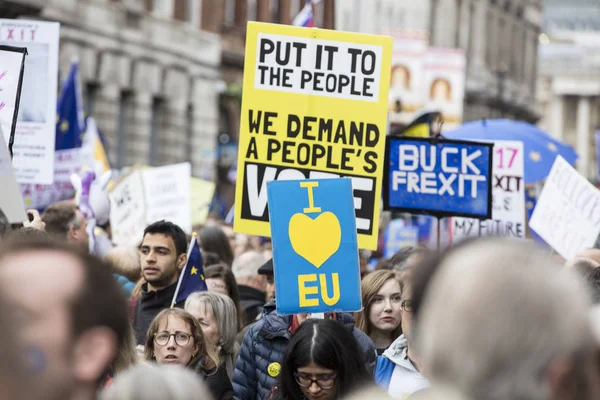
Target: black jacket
{"x":218,"y":383}
{"x":148,"y":305}
{"x":264,"y":345}
{"x":252,"y":301}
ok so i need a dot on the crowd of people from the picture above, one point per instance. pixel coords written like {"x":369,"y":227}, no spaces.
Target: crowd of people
{"x":486,"y":319}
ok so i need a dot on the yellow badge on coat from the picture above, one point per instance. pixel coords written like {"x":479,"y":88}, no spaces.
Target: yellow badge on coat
{"x":274,"y":369}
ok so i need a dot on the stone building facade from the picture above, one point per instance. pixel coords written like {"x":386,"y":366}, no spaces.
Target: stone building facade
{"x":569,"y":80}
{"x":500,"y":38}
{"x":150,"y":75}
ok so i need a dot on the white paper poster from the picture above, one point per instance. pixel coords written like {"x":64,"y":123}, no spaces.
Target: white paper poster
{"x":66,"y":163}
{"x":444,"y":84}
{"x":567,"y":214}
{"x":128,"y":210}
{"x":167,"y":191}
{"x":11,"y":202}
{"x":33,"y":149}
{"x":407,"y":76}
{"x":11,"y":63}
{"x":508,"y":198}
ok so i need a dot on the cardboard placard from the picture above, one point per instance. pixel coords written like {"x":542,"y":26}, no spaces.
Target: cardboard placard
{"x":567,"y":214}
{"x":315,"y":251}
{"x":12,"y":63}
{"x":167,"y":193}
{"x":508,"y":198}
{"x":438,"y":177}
{"x":33,"y":148}
{"x":128,"y":210}
{"x":314,"y":106}
{"x":11,"y":202}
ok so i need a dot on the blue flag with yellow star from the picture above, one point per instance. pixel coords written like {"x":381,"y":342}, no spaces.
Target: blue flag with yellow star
{"x":70,"y":123}
{"x":192,"y":276}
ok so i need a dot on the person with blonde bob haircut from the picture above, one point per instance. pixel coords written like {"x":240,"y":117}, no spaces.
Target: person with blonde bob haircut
{"x":218,"y":319}
{"x":156,"y":382}
{"x":175,"y":337}
{"x":381,"y":316}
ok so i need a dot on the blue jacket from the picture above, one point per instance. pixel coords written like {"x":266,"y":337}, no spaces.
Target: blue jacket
{"x":264,"y":346}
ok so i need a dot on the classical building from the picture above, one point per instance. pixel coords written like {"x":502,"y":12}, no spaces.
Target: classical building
{"x":569,"y":77}
{"x":150,"y":75}
{"x":500,"y":38}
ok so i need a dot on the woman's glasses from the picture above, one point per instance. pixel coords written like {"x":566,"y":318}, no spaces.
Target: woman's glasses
{"x":324,"y":381}
{"x":181,"y":338}
{"x":407,"y":305}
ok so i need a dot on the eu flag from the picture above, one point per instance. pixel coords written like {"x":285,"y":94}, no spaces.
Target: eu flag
{"x":70,"y":124}
{"x":192,"y":277}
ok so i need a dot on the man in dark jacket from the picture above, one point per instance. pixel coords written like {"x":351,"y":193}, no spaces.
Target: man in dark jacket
{"x":163,"y":255}
{"x":264,"y":344}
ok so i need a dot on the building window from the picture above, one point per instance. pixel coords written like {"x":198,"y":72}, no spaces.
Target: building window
{"x":229,"y":19}
{"x":274,"y":8}
{"x":89,"y":101}
{"x":251,"y":10}
{"x":180,"y":10}
{"x":149,"y":5}
{"x":125,"y":115}
{"x":157,"y":124}
{"x":295,"y":7}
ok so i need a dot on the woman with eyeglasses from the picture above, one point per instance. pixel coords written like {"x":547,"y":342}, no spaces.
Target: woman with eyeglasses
{"x":175,"y":337}
{"x":322,"y":362}
{"x":399,"y":369}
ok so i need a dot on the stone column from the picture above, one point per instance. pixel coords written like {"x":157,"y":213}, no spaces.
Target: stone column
{"x":205,"y":121}
{"x":174,"y":136}
{"x":583,"y":135}
{"x":445,"y":27}
{"x":478,"y":37}
{"x":557,"y":127}
{"x":138,"y":129}
{"x":106,"y":113}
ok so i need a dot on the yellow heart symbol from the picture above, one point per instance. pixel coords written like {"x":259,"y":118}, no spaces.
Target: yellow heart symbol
{"x":315,"y":239}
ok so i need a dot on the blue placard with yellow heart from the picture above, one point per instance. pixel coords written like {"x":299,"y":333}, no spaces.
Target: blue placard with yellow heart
{"x":315,"y":249}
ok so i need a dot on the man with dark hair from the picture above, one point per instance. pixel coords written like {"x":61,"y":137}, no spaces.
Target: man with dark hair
{"x":163,"y":256}
{"x":65,"y":222}
{"x":72,"y":315}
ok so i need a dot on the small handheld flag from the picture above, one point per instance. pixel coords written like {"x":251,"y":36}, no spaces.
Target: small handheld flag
{"x":305,"y":16}
{"x":192,"y":276}
{"x":70,"y":124}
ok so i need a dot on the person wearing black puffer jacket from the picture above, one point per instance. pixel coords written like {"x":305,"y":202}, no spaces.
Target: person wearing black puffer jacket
{"x":264,"y":344}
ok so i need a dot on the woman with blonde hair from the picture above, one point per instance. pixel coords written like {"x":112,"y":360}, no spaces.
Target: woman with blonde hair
{"x":218,"y":319}
{"x":175,"y":337}
{"x":380,"y":318}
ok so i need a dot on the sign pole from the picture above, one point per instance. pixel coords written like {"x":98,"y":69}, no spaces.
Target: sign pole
{"x":439,"y":234}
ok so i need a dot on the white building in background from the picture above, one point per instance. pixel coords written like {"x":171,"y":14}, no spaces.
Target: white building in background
{"x":150,"y":75}
{"x":500,"y":38}
{"x":569,"y":77}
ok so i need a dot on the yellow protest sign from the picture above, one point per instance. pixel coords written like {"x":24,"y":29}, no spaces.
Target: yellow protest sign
{"x":202,"y":193}
{"x":314,"y":106}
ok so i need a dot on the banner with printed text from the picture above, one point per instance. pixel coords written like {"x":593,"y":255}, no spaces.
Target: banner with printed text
{"x":33,"y":148}
{"x":567,"y":213}
{"x":438,"y":177}
{"x":508,"y":198}
{"x":314,"y":106}
{"x":12,"y":63}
